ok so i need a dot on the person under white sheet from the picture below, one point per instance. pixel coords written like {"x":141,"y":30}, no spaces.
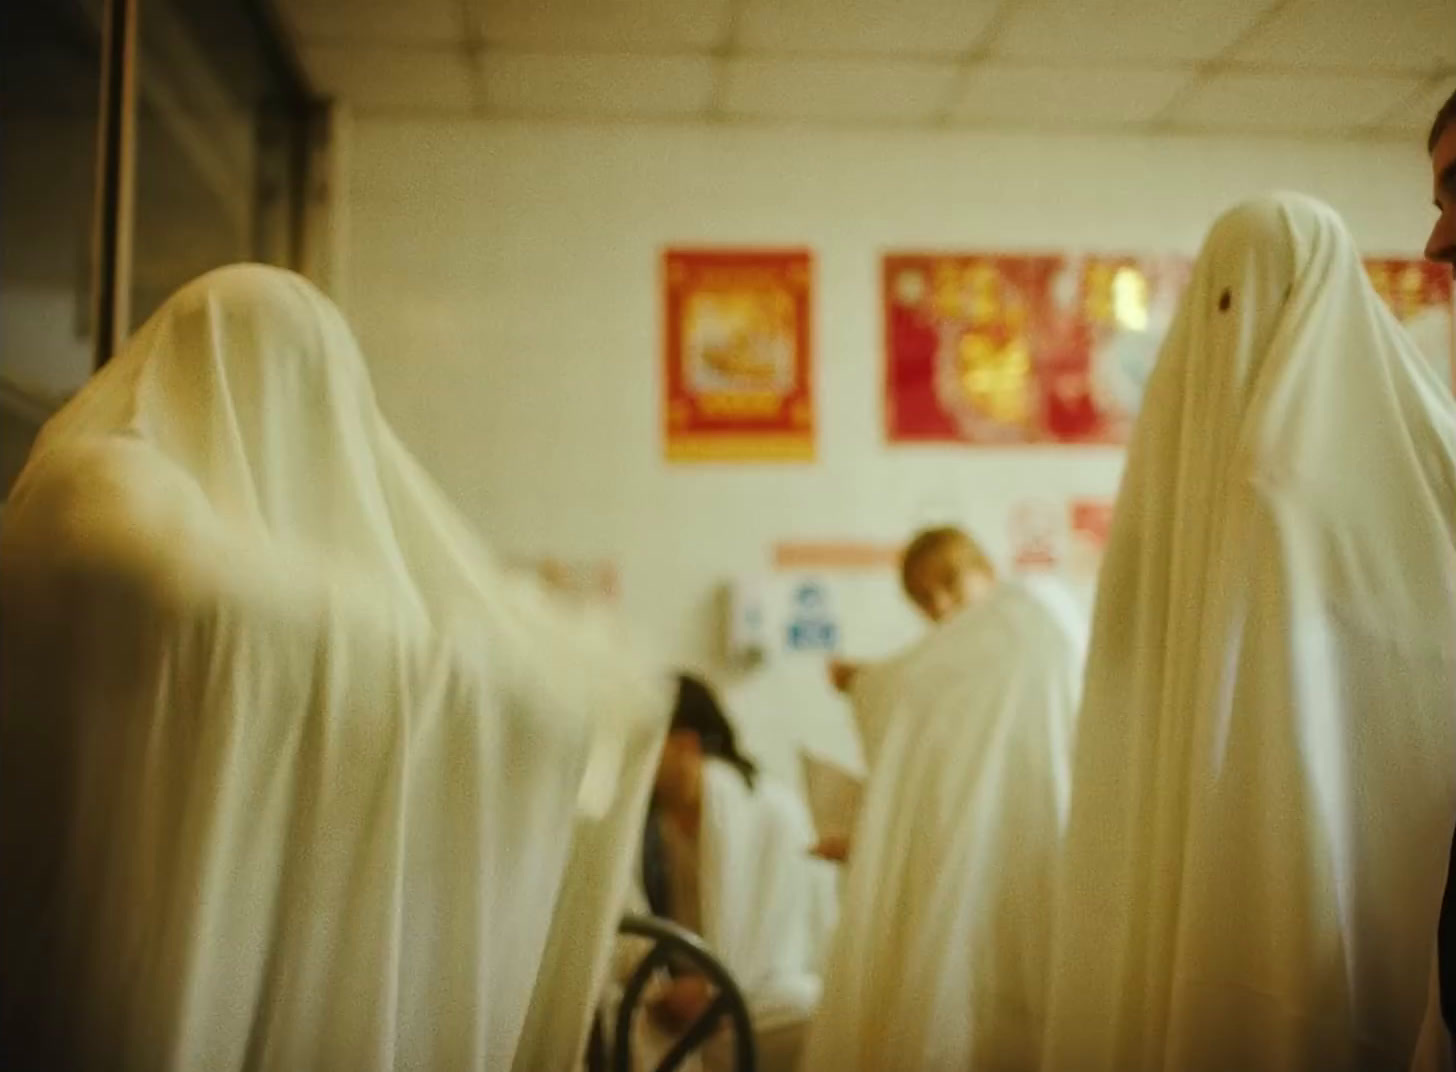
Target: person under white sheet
{"x":727,"y":855}
{"x":1265,"y":769}
{"x":292,"y":774}
{"x":941,"y":955}
{"x":942,"y":570}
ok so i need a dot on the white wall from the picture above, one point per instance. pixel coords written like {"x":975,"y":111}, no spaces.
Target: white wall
{"x":503,"y":279}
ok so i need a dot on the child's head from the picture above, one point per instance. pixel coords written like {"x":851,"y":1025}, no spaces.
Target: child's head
{"x":943,"y":570}
{"x":699,"y":728}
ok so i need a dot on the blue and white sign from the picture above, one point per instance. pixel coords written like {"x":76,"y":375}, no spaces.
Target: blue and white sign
{"x":811,"y":625}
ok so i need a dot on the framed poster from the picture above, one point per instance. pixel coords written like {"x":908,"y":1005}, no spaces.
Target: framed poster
{"x":1017,"y":349}
{"x":1023,"y":349}
{"x":737,"y":375}
{"x":1419,"y":293}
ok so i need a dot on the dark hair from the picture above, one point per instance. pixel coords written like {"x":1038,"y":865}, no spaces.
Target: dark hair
{"x":698,"y":711}
{"x":1444,"y":118}
{"x":656,"y":882}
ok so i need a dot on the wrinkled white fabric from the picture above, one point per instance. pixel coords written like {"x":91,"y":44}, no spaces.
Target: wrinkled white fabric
{"x":876,"y":693}
{"x":767,"y":910}
{"x":1265,"y":773}
{"x":1054,"y":593}
{"x":941,"y":955}
{"x":768,"y":906}
{"x":292,"y":776}
{"x":873,"y":701}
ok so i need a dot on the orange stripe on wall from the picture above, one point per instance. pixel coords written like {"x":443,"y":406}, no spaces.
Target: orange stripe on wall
{"x":835,"y":555}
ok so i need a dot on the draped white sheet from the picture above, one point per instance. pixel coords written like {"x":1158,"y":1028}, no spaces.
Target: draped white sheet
{"x":1265,"y":773}
{"x":292,"y":775}
{"x":941,"y":955}
{"x":769,"y":907}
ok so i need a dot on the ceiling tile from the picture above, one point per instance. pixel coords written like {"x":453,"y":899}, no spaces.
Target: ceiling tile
{"x":1356,"y":35}
{"x":1292,"y":102}
{"x":1099,"y":31}
{"x":910,"y":27}
{"x":1066,"y":96}
{"x":382,"y":22}
{"x":837,"y":90}
{"x":605,"y":25}
{"x":1416,"y":114}
{"x":376,"y":79}
{"x":598,"y":86}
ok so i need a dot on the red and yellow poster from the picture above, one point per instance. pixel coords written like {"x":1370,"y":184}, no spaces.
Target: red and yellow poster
{"x":738,"y":376}
{"x":1419,"y":294}
{"x":993,"y":349}
{"x":989,"y":349}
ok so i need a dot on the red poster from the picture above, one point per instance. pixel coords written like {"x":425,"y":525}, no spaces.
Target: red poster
{"x":1419,"y":294}
{"x":1089,"y":522}
{"x":736,"y":350}
{"x":992,"y":349}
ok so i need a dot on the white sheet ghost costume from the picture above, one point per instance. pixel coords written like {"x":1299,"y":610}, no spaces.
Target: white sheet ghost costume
{"x":292,"y":776}
{"x":1265,"y":772}
{"x":768,"y":906}
{"x":941,"y":954}
{"x":764,"y":905}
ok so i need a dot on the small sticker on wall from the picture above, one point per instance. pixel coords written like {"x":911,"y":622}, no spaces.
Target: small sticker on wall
{"x":1089,"y":522}
{"x":590,"y":580}
{"x":1035,"y":537}
{"x":811,"y":626}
